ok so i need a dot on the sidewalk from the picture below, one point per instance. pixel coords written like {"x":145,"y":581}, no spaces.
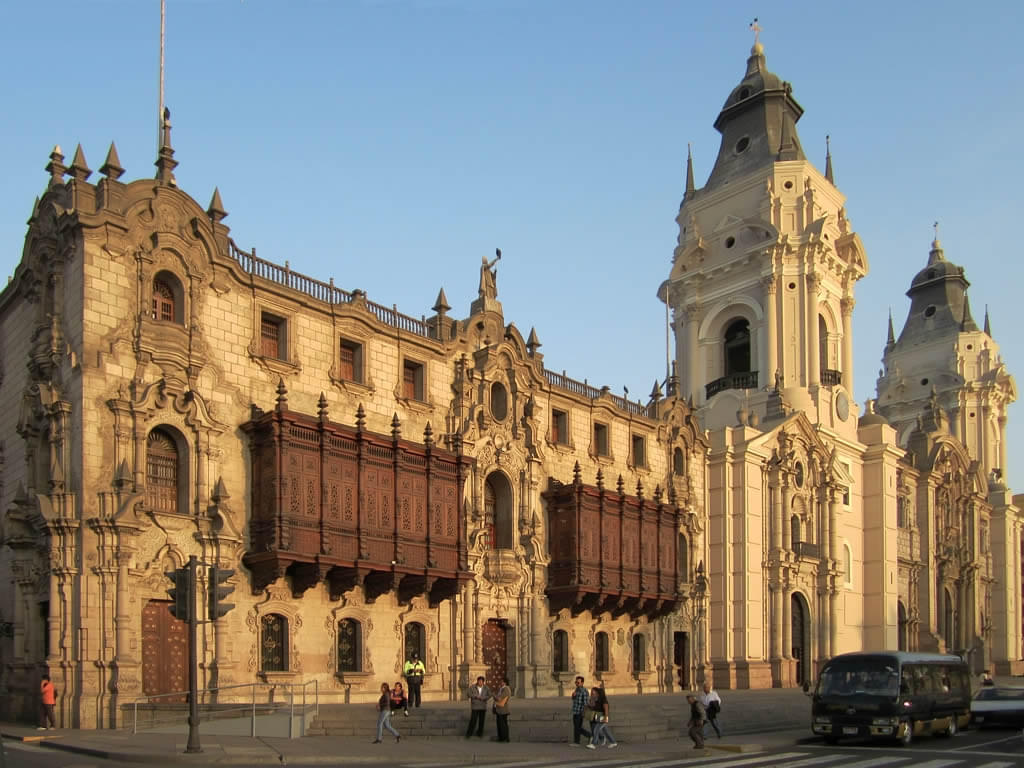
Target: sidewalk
{"x":324,"y":750}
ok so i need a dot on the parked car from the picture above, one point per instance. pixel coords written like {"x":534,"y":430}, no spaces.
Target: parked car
{"x":998,"y":706}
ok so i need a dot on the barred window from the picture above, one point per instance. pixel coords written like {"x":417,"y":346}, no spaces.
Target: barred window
{"x":350,"y":646}
{"x":639,"y":653}
{"x":161,"y":472}
{"x":601,"y":652}
{"x":273,"y":643}
{"x":273,"y":339}
{"x":163,"y":301}
{"x":415,"y":641}
{"x":560,"y":657}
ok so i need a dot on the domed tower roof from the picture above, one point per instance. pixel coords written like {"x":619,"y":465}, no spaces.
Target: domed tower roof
{"x":938,"y":300}
{"x":757,"y":123}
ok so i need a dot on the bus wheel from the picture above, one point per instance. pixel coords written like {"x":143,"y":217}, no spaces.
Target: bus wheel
{"x":954,"y":725}
{"x":908,"y":733}
{"x":831,"y":740}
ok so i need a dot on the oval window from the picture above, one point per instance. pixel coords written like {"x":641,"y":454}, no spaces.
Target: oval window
{"x":742,"y":144}
{"x":798,"y":477}
{"x":499,"y":401}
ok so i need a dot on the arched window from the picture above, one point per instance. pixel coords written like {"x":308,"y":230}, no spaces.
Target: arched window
{"x":350,"y":646}
{"x":498,"y":509}
{"x":794,"y":529}
{"x":822,"y":343}
{"x":415,"y":641}
{"x":684,"y":558}
{"x":737,"y":347}
{"x":273,"y":643}
{"x":560,"y":652}
{"x":601,"y":652}
{"x":678,"y":462}
{"x":167,"y":299}
{"x":639,"y":652}
{"x":161,"y":472}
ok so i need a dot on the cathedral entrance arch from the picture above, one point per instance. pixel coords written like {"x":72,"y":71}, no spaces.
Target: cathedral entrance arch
{"x":164,"y":651}
{"x":801,"y":638}
{"x":495,"y":643}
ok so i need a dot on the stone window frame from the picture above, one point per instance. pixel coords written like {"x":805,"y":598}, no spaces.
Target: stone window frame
{"x":173,"y":284}
{"x":253,"y":620}
{"x":334,"y":618}
{"x":287,"y":360}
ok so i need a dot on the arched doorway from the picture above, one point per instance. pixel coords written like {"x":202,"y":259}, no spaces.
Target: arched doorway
{"x":737,"y":347}
{"x":499,"y":512}
{"x":948,"y":622}
{"x":801,"y":638}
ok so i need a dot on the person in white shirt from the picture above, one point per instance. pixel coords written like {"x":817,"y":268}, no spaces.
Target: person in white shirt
{"x":712,"y":706}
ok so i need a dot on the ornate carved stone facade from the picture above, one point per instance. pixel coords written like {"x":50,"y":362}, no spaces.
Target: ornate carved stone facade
{"x":383,"y":485}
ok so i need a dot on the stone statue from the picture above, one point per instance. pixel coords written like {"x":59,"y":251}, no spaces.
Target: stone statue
{"x":489,"y":277}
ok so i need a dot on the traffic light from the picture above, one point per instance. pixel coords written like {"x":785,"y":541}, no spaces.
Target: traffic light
{"x":179,"y":592}
{"x":219,"y":590}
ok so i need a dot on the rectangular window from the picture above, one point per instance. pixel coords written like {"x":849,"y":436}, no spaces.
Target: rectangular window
{"x":351,"y":361}
{"x":559,"y":427}
{"x":412,"y":380}
{"x":273,"y":338}
{"x":601,"y":439}
{"x":639,"y":451}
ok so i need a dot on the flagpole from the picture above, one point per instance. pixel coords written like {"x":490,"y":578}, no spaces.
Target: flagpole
{"x":160,"y":110}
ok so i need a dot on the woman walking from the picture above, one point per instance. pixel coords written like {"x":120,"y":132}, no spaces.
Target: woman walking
{"x":599,"y":725}
{"x":384,"y":714}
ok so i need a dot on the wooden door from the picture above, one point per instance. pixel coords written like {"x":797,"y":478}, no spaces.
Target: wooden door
{"x":164,"y":652}
{"x":495,"y":646}
{"x":681,"y":658}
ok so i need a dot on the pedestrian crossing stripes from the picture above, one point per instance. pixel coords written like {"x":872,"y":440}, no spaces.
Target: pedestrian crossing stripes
{"x":766,"y":760}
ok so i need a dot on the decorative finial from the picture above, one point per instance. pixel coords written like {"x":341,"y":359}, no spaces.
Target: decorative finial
{"x":441,"y":306}
{"x":282,"y":395}
{"x":111,"y":167}
{"x":600,"y":479}
{"x":216,"y":210}
{"x":690,"y":187}
{"x":56,"y":167}
{"x":988,"y":327}
{"x":828,"y":159}
{"x":757,"y":49}
{"x":165,"y":162}
{"x":360,"y":418}
{"x":577,"y":475}
{"x":532,"y":343}
{"x":428,"y":436}
{"x":396,"y":427}
{"x":936,"y":252}
{"x":321,"y":408}
{"x":79,"y":168}
{"x":891,"y":340}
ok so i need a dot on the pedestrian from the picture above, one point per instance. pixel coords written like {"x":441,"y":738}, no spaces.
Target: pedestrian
{"x":478,"y":697}
{"x":414,"y":672}
{"x":580,"y":697}
{"x":501,"y":710}
{"x":384,"y":715}
{"x":696,"y":722}
{"x":48,"y":699}
{"x":599,"y":727}
{"x":398,"y":700}
{"x":712,"y":704}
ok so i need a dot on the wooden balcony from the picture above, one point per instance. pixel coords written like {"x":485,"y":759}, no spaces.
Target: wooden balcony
{"x":348,"y":507}
{"x":610,"y":551}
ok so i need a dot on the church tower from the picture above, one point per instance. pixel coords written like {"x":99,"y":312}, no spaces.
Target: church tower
{"x":943,"y":359}
{"x":762,"y":279}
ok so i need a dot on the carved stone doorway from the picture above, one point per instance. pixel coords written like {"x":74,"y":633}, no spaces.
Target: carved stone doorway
{"x":164,"y":652}
{"x":681,"y":658}
{"x":495,"y":651}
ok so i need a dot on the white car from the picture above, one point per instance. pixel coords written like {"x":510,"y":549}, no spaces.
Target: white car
{"x":997,"y":706}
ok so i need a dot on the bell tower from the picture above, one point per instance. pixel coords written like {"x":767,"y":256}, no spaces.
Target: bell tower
{"x":762,"y":281}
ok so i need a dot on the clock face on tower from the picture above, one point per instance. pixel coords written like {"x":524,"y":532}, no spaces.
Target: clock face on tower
{"x":842,"y":406}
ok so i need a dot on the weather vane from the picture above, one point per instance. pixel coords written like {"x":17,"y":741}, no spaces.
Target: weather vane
{"x":757,"y":30}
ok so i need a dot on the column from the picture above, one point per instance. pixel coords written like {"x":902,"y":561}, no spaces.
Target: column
{"x":811,"y":306}
{"x":693,"y":352}
{"x":846,"y":306}
{"x":776,"y":638}
{"x":122,"y":617}
{"x":787,"y":539}
{"x":771,"y":340}
{"x":833,"y":513}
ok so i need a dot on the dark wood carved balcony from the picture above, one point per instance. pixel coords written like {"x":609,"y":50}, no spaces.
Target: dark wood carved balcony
{"x":352,"y":508}
{"x":831,"y":378}
{"x":610,"y":551}
{"x":745,"y":380}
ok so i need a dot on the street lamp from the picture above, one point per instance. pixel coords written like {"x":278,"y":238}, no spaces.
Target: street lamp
{"x":700,"y":588}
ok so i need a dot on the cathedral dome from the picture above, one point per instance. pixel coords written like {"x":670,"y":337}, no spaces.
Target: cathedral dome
{"x":938,"y":301}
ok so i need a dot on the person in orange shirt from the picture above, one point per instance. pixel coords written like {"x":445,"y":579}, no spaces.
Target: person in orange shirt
{"x":48,"y":700}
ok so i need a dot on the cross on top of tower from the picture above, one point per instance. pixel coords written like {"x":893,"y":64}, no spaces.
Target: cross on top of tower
{"x":757,"y":30}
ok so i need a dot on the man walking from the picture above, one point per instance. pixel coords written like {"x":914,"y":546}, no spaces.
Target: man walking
{"x":696,"y":723}
{"x":712,"y":704}
{"x":580,"y":697}
{"x":478,"y":694}
{"x":414,"y":672}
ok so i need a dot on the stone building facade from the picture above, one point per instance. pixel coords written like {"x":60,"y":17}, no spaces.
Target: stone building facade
{"x":381,"y":484}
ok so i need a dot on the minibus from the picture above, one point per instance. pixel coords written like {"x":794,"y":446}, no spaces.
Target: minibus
{"x":891,"y":694}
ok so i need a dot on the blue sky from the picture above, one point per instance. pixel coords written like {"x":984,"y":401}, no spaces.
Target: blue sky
{"x":390,"y":144}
